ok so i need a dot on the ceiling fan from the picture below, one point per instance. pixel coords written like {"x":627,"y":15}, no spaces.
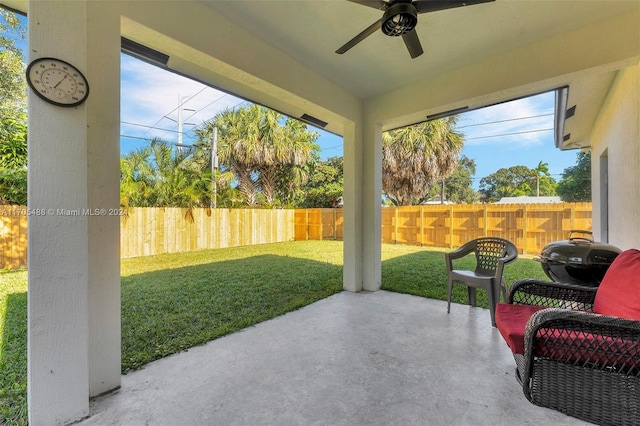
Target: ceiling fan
{"x":400,"y":19}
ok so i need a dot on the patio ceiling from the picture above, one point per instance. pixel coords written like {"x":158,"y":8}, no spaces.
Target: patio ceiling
{"x":311,"y":31}
{"x":474,"y":56}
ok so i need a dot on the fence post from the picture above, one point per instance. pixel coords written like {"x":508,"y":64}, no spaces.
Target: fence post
{"x":572,"y":221}
{"x":524,"y":230}
{"x":421,"y":226}
{"x":486,"y":221}
{"x":395,"y":239}
{"x":451,"y":226}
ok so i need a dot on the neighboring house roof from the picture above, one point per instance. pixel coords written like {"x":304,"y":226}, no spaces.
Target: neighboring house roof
{"x":524,"y":199}
{"x":436,"y":200}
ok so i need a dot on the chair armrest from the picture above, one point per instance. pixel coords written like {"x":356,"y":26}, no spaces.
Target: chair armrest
{"x":508,"y":258}
{"x":460,"y":252}
{"x":552,"y":294}
{"x":582,"y":339}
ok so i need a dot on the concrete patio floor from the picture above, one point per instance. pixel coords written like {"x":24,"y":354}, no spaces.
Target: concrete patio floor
{"x":378,"y":358}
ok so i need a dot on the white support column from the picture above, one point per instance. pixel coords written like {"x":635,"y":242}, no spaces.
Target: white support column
{"x":362,"y":207}
{"x":74,"y":266}
{"x":372,"y":207}
{"x":352,"y":276}
{"x":103,"y":193}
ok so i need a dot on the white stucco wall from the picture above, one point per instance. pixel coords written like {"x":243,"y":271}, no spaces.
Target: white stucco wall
{"x":616,"y":134}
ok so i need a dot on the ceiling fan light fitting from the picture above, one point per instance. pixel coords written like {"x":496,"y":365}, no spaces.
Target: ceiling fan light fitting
{"x":399,"y":19}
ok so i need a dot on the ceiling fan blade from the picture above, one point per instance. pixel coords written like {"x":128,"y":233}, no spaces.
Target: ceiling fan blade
{"x":357,"y":39}
{"x":376,"y":4}
{"x":412,"y":42}
{"x":423,"y":6}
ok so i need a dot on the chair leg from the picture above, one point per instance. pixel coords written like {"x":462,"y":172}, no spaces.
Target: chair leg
{"x":449,"y":290}
{"x":493,"y":295}
{"x":472,"y":296}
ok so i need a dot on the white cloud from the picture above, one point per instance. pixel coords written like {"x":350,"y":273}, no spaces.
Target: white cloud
{"x":150,"y":96}
{"x":517,"y":122}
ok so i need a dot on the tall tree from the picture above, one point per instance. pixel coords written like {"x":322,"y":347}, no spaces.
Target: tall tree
{"x":267,"y":152}
{"x":513,"y":182}
{"x":13,"y":85}
{"x":325,"y":187}
{"x":13,"y":117}
{"x":158,"y":176}
{"x":458,"y":187}
{"x":415,"y":157}
{"x":13,"y":186}
{"x":13,"y":141}
{"x":541,"y":171}
{"x":575,"y":184}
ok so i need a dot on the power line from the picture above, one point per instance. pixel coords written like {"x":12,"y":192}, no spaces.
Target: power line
{"x":148,"y":127}
{"x":207,"y":106}
{"x":170,"y":112}
{"x":136,"y":137}
{"x":334,"y":147}
{"x":509,"y":134}
{"x":504,"y":121}
{"x":150,"y":140}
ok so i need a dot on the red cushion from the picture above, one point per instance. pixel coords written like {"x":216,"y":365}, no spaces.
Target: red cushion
{"x":511,"y":320}
{"x":619,"y":292}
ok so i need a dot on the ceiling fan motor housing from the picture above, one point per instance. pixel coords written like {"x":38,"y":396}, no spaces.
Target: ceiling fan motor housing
{"x":399,"y":19}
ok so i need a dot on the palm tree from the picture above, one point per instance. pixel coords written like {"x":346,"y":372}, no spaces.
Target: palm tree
{"x":157,"y":176}
{"x":415,"y":157}
{"x":288,"y":170}
{"x":262,"y":151}
{"x":136,"y":178}
{"x":237,"y":147}
{"x":541,"y":170}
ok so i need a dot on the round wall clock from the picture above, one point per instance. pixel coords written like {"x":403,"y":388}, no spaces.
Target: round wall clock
{"x":57,"y":82}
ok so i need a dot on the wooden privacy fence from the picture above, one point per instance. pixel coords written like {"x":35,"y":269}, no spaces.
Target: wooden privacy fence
{"x":529,"y":226}
{"x":148,"y":231}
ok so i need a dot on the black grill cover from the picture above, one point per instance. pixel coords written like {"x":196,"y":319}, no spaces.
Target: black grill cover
{"x":578,"y":260}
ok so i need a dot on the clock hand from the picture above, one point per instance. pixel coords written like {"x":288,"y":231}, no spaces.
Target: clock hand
{"x":63,"y":78}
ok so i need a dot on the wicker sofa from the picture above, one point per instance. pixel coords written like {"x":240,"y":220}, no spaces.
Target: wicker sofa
{"x":577,"y":348}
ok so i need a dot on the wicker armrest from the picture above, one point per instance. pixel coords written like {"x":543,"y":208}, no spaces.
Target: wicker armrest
{"x":583,"y":339}
{"x":552,"y":294}
{"x":583,"y":364}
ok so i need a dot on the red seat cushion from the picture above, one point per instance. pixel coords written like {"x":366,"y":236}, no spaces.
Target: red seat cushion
{"x":619,"y":292}
{"x":511,"y":321}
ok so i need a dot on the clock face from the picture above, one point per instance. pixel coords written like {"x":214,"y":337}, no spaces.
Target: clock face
{"x":57,"y":82}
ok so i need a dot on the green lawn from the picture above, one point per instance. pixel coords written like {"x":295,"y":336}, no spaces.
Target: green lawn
{"x":175,"y":301}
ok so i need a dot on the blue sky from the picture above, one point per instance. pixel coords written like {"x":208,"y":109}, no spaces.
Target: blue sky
{"x":509,"y":134}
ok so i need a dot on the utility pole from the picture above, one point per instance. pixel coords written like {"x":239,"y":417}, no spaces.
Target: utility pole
{"x":214,"y":167}
{"x":180,"y":109}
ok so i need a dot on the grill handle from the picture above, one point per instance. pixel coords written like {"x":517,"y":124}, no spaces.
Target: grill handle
{"x":580,"y":231}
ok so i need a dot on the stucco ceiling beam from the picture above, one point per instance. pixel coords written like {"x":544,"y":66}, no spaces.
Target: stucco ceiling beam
{"x":197,"y":39}
{"x":598,"y":48}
